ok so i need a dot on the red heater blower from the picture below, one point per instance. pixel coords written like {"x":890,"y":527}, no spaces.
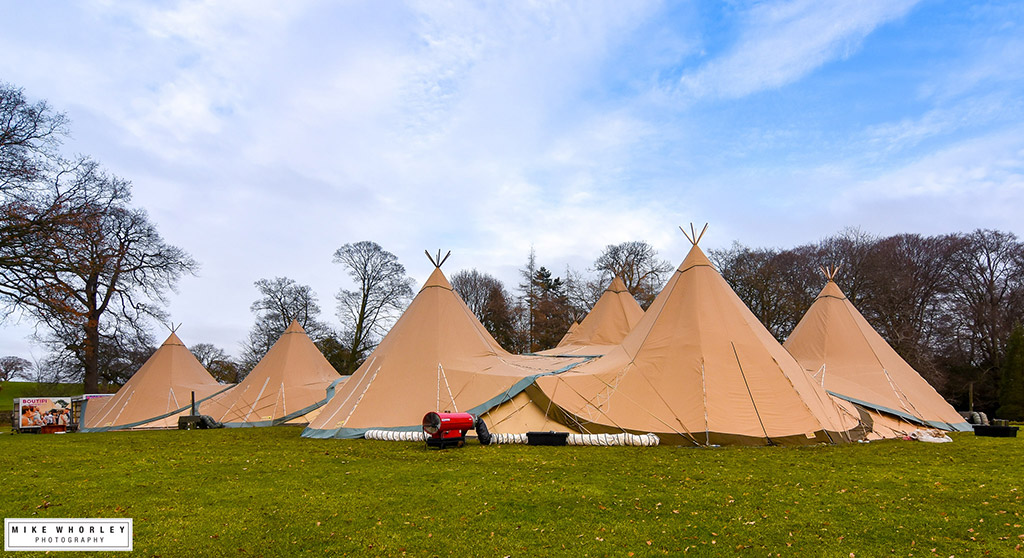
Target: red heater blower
{"x":447,"y":430}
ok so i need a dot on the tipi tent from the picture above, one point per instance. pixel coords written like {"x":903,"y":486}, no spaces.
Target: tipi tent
{"x":154,"y":397}
{"x":523,"y":414}
{"x":568,"y":334}
{"x":289,"y":385}
{"x":845,"y":355}
{"x":437,"y":357}
{"x":698,"y":368}
{"x":614,"y":315}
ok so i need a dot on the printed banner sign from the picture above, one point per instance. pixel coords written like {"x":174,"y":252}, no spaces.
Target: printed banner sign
{"x":67,"y":534}
{"x":37,"y":412}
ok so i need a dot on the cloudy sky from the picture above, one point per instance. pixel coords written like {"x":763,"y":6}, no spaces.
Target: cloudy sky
{"x":263,"y":135}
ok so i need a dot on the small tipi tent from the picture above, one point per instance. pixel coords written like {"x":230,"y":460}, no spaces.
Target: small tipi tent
{"x":613,"y":316}
{"x":288,"y":386}
{"x":699,"y":368}
{"x":154,"y":397}
{"x":845,"y":355}
{"x":437,"y":357}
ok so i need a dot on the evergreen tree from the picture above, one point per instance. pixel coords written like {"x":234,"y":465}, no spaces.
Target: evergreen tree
{"x":550,"y":310}
{"x":1011,"y":385}
{"x":528,"y":300}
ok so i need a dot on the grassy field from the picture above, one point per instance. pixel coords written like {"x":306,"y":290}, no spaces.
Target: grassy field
{"x":268,"y":492}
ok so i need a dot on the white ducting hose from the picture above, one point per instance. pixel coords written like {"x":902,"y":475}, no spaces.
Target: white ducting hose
{"x":396,"y":436}
{"x":623,"y":439}
{"x":508,"y":438}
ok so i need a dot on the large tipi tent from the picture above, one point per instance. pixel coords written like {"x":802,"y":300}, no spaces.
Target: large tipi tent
{"x":156,"y":395}
{"x":572,"y":329}
{"x":698,"y":368}
{"x":846,"y":356}
{"x":613,"y":316}
{"x":437,"y":357}
{"x":288,"y":386}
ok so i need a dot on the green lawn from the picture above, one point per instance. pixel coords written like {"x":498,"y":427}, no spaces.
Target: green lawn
{"x":268,"y":492}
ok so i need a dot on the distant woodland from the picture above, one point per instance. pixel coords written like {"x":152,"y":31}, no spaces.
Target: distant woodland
{"x":948,"y":304}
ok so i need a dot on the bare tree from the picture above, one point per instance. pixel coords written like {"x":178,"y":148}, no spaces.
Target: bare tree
{"x":777,"y":285}
{"x":335,"y":350}
{"x":490,"y":303}
{"x":987,"y":294}
{"x":909,"y":277}
{"x":218,"y":363}
{"x":285,"y":300}
{"x":29,"y":136}
{"x":81,"y":259}
{"x":639,"y":266}
{"x":208,"y":353}
{"x":527,"y":300}
{"x":500,"y":316}
{"x":582,"y":292}
{"x":12,"y":367}
{"x":382,"y":293}
{"x":282,"y":300}
{"x":474,"y":288}
{"x":122,"y":349}
{"x":849,"y":251}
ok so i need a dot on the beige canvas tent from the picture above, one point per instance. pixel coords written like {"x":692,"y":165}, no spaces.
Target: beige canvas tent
{"x":613,"y":316}
{"x":523,"y":414}
{"x":288,"y":386}
{"x":571,"y":330}
{"x":845,"y":355}
{"x":156,"y":395}
{"x":698,"y":368}
{"x":437,"y":357}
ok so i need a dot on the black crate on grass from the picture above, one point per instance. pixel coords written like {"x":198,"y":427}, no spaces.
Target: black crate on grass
{"x":547,"y":438}
{"x":995,"y":431}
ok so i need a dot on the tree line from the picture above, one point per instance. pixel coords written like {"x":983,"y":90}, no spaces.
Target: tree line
{"x":543,"y":306}
{"x":951,"y":305}
{"x":948,"y":303}
{"x":78,"y":258}
{"x":533,"y":318}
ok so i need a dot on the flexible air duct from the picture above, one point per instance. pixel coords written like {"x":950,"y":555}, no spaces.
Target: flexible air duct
{"x":396,"y":436}
{"x":623,"y":439}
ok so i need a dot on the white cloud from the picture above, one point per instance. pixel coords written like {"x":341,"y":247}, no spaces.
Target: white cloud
{"x":780,"y":42}
{"x":984,"y":168}
{"x":962,"y":115}
{"x":990,"y":62}
{"x":261,"y":136}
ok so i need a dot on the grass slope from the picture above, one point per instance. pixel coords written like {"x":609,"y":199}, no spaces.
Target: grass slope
{"x":268,"y":492}
{"x":12,"y":390}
